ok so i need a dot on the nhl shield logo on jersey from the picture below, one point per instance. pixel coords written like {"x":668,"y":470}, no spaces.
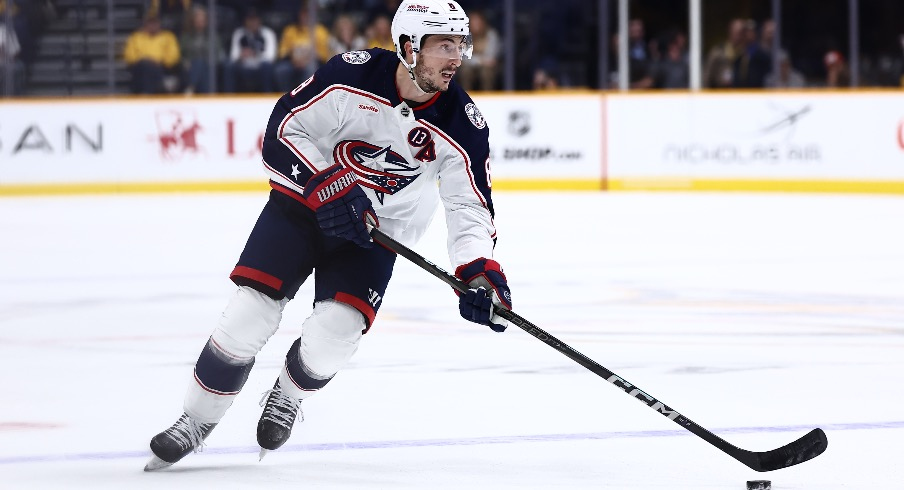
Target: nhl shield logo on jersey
{"x":356,"y":57}
{"x":381,"y":169}
{"x":475,"y":116}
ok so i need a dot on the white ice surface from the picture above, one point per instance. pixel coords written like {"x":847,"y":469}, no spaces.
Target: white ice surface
{"x":758,"y":316}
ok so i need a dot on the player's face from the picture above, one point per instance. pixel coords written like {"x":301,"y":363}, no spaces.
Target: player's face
{"x":437,"y":62}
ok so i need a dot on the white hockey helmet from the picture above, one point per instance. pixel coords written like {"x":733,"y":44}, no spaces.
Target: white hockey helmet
{"x":419,"y":18}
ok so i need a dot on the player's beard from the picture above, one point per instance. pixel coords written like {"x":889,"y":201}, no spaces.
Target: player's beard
{"x":425,"y":78}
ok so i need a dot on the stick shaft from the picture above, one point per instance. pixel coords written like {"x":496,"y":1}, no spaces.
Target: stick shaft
{"x":808,"y":447}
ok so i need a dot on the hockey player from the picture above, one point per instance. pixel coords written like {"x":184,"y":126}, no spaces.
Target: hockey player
{"x":373,"y":138}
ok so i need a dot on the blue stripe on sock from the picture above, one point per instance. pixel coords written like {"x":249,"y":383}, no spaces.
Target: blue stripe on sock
{"x":218,"y":375}
{"x":297,"y":372}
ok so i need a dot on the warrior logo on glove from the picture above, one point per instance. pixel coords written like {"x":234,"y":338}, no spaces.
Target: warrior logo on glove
{"x":342,"y":208}
{"x":335,"y":186}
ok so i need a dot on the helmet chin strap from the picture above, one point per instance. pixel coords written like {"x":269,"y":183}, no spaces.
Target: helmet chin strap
{"x":411,"y":74}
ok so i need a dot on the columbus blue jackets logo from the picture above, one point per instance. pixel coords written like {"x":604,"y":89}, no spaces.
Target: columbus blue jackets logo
{"x":356,"y":57}
{"x":381,"y":169}
{"x":475,"y":116}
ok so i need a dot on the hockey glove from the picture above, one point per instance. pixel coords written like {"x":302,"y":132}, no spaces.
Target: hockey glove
{"x":342,"y":208}
{"x":489,"y":290}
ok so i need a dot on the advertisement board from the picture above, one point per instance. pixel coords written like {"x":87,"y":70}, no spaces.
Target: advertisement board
{"x":746,"y":140}
{"x":214,"y":143}
{"x":97,"y":142}
{"x":798,"y":141}
{"x":545,"y":141}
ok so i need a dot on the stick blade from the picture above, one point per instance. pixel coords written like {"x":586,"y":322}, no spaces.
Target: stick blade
{"x":804,"y":449}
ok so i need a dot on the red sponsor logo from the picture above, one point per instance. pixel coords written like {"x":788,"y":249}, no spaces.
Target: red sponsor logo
{"x":178,"y":137}
{"x":901,"y":134}
{"x":249,"y":148}
{"x":368,"y":108}
{"x":175,"y":136}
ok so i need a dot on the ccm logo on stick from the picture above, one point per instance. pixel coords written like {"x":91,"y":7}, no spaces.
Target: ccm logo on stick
{"x":649,"y":400}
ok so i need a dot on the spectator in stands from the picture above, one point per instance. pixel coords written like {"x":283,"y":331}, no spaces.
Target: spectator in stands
{"x":639,"y":69}
{"x":379,"y":33}
{"x":837,"y":72}
{"x":29,"y":18}
{"x":251,"y":56}
{"x":901,"y":77}
{"x":767,"y":35}
{"x":11,"y":67}
{"x":611,"y":81}
{"x":481,"y":70}
{"x":787,"y":76}
{"x":280,"y":13}
{"x":718,"y":69}
{"x":672,"y":69}
{"x":546,"y":75}
{"x":152,"y":54}
{"x":172,"y":13}
{"x":159,"y":7}
{"x":197,"y":49}
{"x":301,"y":51}
{"x":345,"y":36}
{"x":753,"y":64}
{"x":376,"y":8}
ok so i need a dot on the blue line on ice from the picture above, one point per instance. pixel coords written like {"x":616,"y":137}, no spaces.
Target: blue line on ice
{"x":468,"y":441}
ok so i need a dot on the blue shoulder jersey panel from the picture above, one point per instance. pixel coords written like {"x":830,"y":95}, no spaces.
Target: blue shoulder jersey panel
{"x":337,"y":71}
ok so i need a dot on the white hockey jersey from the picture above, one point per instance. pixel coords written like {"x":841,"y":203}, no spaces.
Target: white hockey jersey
{"x":406,"y":159}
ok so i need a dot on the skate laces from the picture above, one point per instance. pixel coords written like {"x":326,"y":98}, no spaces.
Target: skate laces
{"x":280,"y":408}
{"x":188,"y":433}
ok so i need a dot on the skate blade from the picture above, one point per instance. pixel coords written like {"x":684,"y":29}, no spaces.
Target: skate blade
{"x":262,"y":454}
{"x":155,"y":464}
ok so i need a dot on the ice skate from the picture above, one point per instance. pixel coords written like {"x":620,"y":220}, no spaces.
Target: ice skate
{"x":275,"y":424}
{"x":173,"y":444}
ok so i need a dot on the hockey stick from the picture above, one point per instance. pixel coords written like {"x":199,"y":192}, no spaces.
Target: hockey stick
{"x":806,"y":448}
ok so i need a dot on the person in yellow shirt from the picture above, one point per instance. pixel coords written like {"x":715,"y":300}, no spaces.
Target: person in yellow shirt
{"x":299,"y":57}
{"x":379,"y":34}
{"x":151,"y":53}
